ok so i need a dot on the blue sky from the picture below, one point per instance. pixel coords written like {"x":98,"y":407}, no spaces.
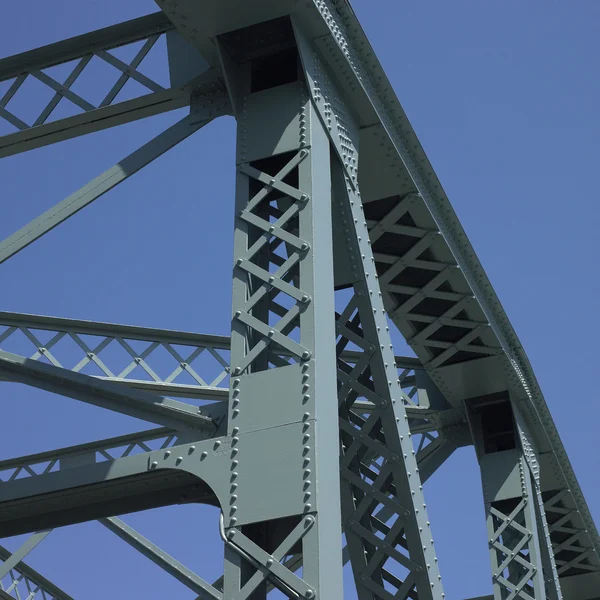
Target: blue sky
{"x":503,"y":97}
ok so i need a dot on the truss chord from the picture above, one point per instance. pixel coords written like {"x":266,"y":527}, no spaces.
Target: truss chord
{"x":81,"y":48}
{"x":402,"y":257}
{"x":90,"y":118}
{"x":134,"y":64}
{"x":69,"y":81}
{"x":170,"y":413}
{"x":390,"y":416}
{"x":357,"y":52}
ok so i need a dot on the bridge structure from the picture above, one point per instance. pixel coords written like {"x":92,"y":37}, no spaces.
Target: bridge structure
{"x":314,"y":439}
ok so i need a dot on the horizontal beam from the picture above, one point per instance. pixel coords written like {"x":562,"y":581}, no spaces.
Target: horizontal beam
{"x":92,"y":491}
{"x":402,"y":362}
{"x":136,"y":370}
{"x":98,"y":479}
{"x":76,"y":47}
{"x":150,"y":334}
{"x":105,"y":394}
{"x":107,"y":116}
{"x":70,"y":454}
{"x":203,"y":81}
{"x":182,"y":390}
{"x":133,"y":332}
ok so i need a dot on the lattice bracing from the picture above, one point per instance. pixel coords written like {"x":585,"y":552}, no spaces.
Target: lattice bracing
{"x":94,"y":452}
{"x":341,"y":232}
{"x":388,"y":540}
{"x":175,"y":363}
{"x":61,"y":92}
{"x":421,"y":289}
{"x":511,"y":543}
{"x":271,"y":265}
{"x":567,"y":535}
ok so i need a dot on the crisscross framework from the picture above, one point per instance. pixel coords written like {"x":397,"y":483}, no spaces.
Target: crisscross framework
{"x":271,"y":565}
{"x":146,"y":34}
{"x":391,"y":262}
{"x":419,"y":287}
{"x":175,"y":363}
{"x":385,"y":520}
{"x":181,"y":364}
{"x":566,"y":535}
{"x":103,"y":450}
{"x":513,"y":555}
{"x":271,"y":265}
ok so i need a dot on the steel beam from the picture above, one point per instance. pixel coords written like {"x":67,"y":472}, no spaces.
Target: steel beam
{"x":42,"y":463}
{"x":347,"y":50}
{"x":284,"y":267}
{"x":24,"y":549}
{"x":105,"y":394}
{"x":88,"y":43}
{"x":109,"y":335}
{"x":391,"y":239}
{"x":108,"y":114}
{"x":98,"y":119}
{"x":159,"y":557}
{"x":103,"y":183}
{"x":522,"y":557}
{"x":91,"y":483}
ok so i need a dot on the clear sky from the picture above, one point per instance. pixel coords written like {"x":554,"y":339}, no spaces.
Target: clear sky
{"x":504,"y":97}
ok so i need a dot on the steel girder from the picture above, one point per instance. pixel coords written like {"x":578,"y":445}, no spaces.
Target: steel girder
{"x":400,"y":251}
{"x":195,"y":79}
{"x":106,"y":350}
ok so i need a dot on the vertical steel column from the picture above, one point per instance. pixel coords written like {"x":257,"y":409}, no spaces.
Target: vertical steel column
{"x":384,"y":512}
{"x":282,"y":412}
{"x":512,"y":509}
{"x":530,"y":454}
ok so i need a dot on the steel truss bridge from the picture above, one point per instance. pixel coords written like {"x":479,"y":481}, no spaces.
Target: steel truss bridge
{"x":342,"y":230}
